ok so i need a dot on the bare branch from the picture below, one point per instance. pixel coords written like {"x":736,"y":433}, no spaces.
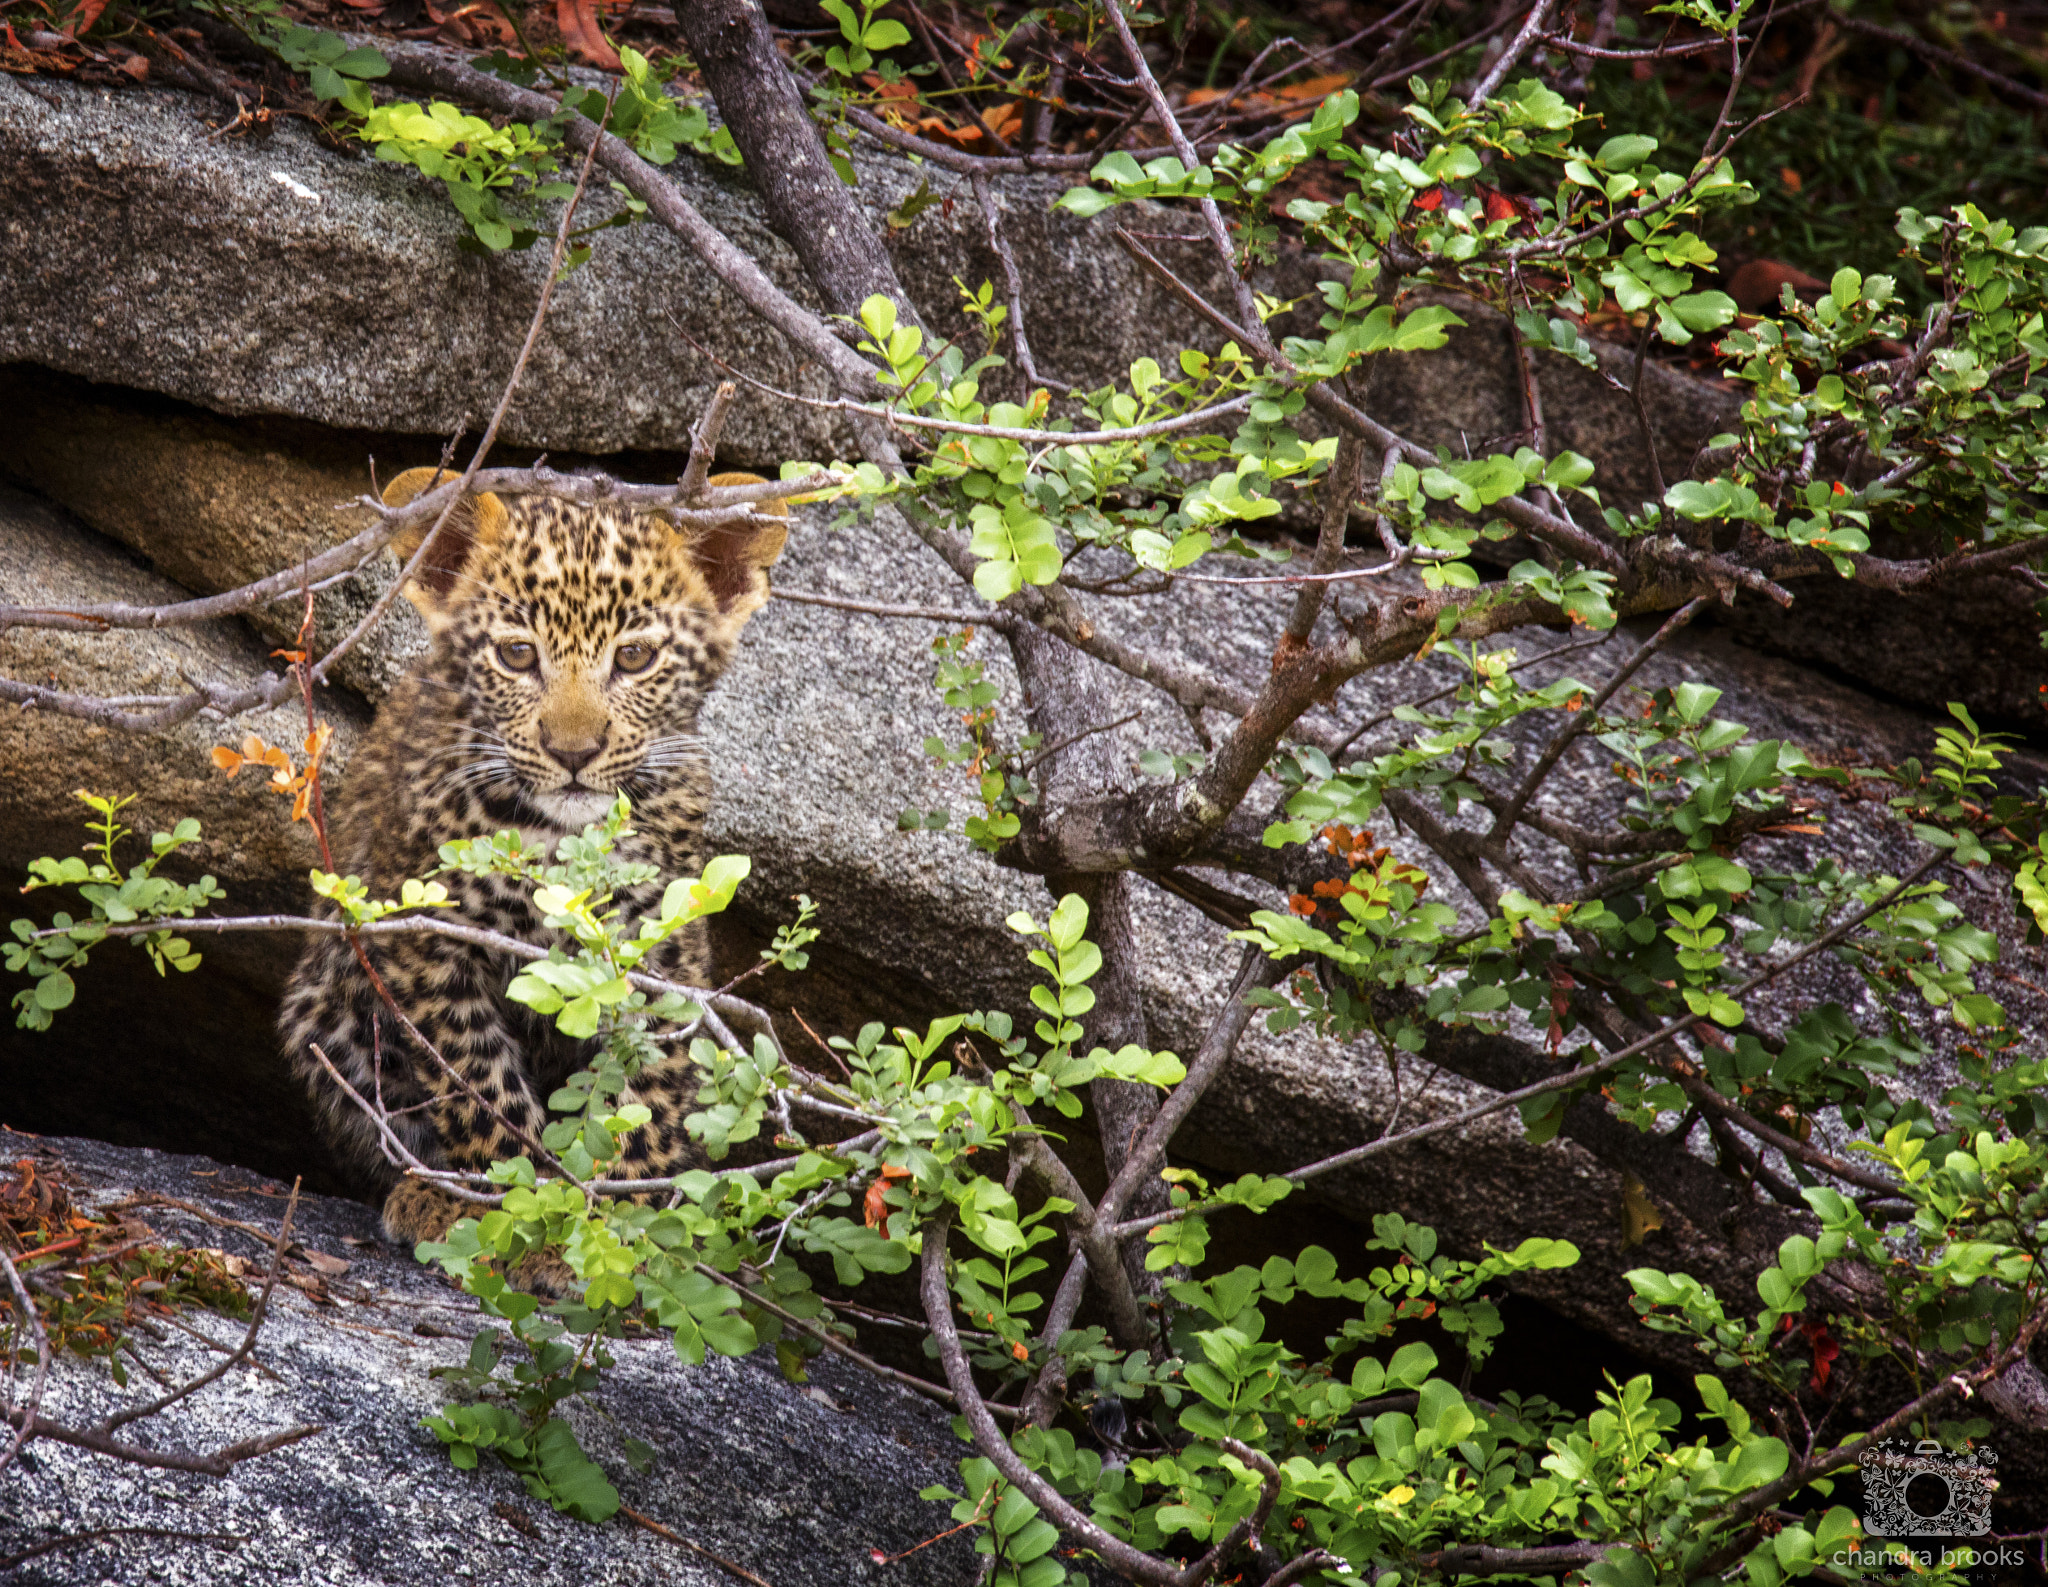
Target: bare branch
{"x":102,"y":1533}
{"x":1504,"y":822}
{"x":1934,"y":52}
{"x":347,"y":557}
{"x":1071,"y":739}
{"x":691,"y":488}
{"x":1212,"y":216}
{"x":787,"y":162}
{"x":647,"y":1523}
{"x":1341,"y":485}
{"x":1496,"y":74}
{"x":1254,"y":970}
{"x":1482,"y":1559}
{"x":1707,"y":1098}
{"x":28,"y":1317}
{"x":100,"y":1438}
{"x":1013,"y":280}
{"x":240,"y":1354}
{"x":992,"y":617}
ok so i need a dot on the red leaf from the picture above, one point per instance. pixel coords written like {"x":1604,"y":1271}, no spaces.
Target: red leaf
{"x":81,"y":20}
{"x":1433,"y":199}
{"x":584,"y":36}
{"x":1504,"y":206}
{"x":1824,"y":1351}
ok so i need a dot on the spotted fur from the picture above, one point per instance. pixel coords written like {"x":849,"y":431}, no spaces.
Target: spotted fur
{"x":572,"y":647}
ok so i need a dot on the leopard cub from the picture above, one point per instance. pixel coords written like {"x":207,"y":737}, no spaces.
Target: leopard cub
{"x":571,"y":648}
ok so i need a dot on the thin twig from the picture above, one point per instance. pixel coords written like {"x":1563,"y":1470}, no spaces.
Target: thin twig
{"x":993,"y":617}
{"x":1013,"y":279}
{"x":1949,"y":58}
{"x":98,"y":1534}
{"x":1504,"y":822}
{"x":25,"y":1309}
{"x":120,"y":1419}
{"x":424,"y":550}
{"x":1074,"y":738}
{"x":648,"y":1523}
{"x":1212,"y":216}
{"x":1532,"y":27}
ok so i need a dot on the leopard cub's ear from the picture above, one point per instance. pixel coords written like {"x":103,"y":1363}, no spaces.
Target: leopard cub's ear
{"x":477,"y":521}
{"x":735,"y":556}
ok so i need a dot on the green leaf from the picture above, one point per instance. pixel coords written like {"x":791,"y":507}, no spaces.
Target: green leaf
{"x":363,"y":62}
{"x":729,"y":1334}
{"x":1692,"y":701}
{"x":1626,"y":152}
{"x":55,"y":991}
{"x":1424,"y":329}
{"x":1760,"y":1462}
{"x":571,"y":1480}
{"x":1703,"y":311}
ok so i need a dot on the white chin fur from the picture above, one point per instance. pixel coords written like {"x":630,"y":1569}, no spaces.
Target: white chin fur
{"x":573,"y":808}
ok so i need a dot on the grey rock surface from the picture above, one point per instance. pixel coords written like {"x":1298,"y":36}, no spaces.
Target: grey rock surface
{"x":283,"y":276}
{"x":816,"y":739}
{"x":1971,"y":640}
{"x":215,"y":503}
{"x":354,"y":311}
{"x":797,"y":1484}
{"x":286,"y":277}
{"x":207,"y":1031}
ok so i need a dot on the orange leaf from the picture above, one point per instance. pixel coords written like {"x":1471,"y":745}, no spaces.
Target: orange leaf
{"x":874,"y":1205}
{"x":1433,"y":199}
{"x":584,"y":36}
{"x":1301,"y":903}
{"x":81,"y":20}
{"x":1019,"y":1351}
{"x":227,"y":760}
{"x":1318,"y":88}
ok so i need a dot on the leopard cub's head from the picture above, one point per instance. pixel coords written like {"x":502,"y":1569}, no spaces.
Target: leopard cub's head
{"x":578,"y":640}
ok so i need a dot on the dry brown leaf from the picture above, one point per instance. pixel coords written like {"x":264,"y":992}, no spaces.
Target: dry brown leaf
{"x":584,"y":35}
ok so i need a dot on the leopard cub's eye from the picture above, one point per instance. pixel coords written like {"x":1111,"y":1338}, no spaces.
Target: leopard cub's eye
{"x":518,"y":655}
{"x":633,"y":658}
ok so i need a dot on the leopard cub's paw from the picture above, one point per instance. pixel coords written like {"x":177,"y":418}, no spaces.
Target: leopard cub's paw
{"x":415,"y":1211}
{"x":545,"y":1273}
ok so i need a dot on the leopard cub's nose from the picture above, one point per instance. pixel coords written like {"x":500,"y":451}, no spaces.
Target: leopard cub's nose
{"x":571,"y":754}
